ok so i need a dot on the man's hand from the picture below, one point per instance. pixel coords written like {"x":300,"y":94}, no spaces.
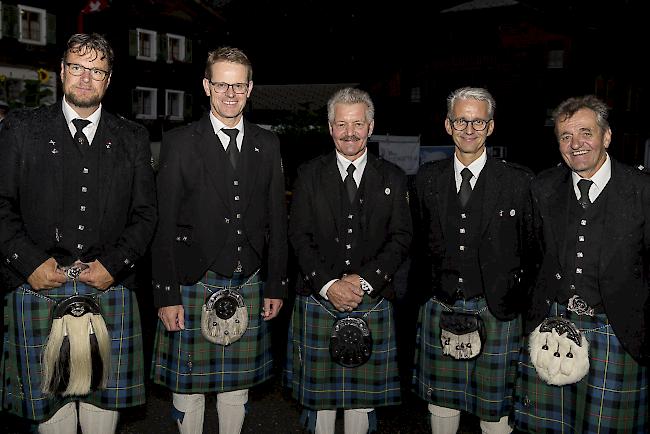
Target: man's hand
{"x":345,"y":296}
{"x":96,"y":276}
{"x":46,"y":276}
{"x":272,"y":307}
{"x":172,"y":317}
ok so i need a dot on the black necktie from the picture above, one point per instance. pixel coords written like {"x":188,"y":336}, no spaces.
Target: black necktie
{"x":350,"y":185}
{"x":465,"y":187}
{"x":79,"y":136}
{"x":231,"y":150}
{"x":583,"y":186}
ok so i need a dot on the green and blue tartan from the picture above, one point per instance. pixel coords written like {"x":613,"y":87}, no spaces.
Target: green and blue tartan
{"x":186,"y":362}
{"x":482,"y":386}
{"x":611,"y":398}
{"x":27,"y":321}
{"x":317,"y":382}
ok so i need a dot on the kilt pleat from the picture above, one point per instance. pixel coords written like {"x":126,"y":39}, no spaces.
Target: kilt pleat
{"x":186,"y":362}
{"x":611,"y":398}
{"x":482,"y":386}
{"x":27,"y":321}
{"x":317,"y":382}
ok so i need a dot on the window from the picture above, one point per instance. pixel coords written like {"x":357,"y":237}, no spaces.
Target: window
{"x":175,"y":48}
{"x":146,"y":44}
{"x":174,"y":104}
{"x":31,"y":25}
{"x":145,"y":103}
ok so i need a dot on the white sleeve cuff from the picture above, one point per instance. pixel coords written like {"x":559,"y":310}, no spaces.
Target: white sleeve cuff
{"x":323,"y":291}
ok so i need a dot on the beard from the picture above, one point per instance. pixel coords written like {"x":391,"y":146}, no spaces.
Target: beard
{"x":83,"y":102}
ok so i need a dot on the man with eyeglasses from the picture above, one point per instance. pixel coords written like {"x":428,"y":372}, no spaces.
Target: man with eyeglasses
{"x":220,"y":252}
{"x":476,"y":259}
{"x":78,"y":211}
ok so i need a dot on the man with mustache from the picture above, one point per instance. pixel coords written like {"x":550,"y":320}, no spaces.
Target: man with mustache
{"x":350,"y":228}
{"x":76,"y":186}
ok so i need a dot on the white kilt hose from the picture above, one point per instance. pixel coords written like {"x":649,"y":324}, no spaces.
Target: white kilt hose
{"x":481,"y":386}
{"x":186,"y":362}
{"x":317,"y":382}
{"x":28,"y":319}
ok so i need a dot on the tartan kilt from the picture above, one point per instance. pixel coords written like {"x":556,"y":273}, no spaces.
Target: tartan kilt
{"x":317,"y":382}
{"x":186,"y":362}
{"x":27,"y":321}
{"x":611,"y":398}
{"x":482,"y":386}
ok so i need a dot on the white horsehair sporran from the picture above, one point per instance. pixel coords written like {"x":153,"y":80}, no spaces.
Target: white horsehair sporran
{"x":76,"y":358}
{"x":559,"y":351}
{"x":224,"y":317}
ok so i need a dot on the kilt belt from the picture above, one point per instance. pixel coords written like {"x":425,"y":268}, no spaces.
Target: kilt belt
{"x":186,"y":362}
{"x":319,"y":383}
{"x":28,"y":320}
{"x":612,"y":397}
{"x":481,"y":386}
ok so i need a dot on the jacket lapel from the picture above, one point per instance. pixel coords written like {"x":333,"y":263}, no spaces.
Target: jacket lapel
{"x":109,"y":147}
{"x":249,"y":163}
{"x":619,"y":197}
{"x":441,"y":187}
{"x":491,"y":174}
{"x":329,"y":186}
{"x":215,"y":162}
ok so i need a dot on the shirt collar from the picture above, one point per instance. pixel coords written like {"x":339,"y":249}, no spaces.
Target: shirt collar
{"x":217,"y":125}
{"x":476,"y":166}
{"x":359,"y":164}
{"x":70,"y":114}
{"x":600,"y":178}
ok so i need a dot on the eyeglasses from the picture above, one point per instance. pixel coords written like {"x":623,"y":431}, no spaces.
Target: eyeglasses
{"x":95,"y":74}
{"x":221,"y":87}
{"x":477,"y":124}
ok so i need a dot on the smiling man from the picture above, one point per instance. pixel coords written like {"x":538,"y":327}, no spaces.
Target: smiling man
{"x":594,"y":214}
{"x":78,"y":210}
{"x":350,"y":230}
{"x":476,"y":258}
{"x":220,"y":252}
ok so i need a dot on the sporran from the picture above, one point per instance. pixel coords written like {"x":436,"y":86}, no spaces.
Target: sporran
{"x":461,"y":335}
{"x":224,"y":317}
{"x":76,"y":357}
{"x":350,"y":342}
{"x":559,"y":351}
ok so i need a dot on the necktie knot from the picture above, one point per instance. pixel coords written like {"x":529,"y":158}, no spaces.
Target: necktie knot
{"x":583,"y":186}
{"x":79,"y":136}
{"x":350,"y":184}
{"x":465,"y":190}
{"x":233,"y":152}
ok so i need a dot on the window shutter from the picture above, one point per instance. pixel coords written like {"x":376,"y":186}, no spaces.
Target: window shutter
{"x":135,"y":107}
{"x":10,"y":21}
{"x":188,"y":50}
{"x":50,"y":25}
{"x":133,"y":43}
{"x":162,"y":47}
{"x":187,"y":107}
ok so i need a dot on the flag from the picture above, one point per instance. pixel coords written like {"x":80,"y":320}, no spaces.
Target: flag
{"x":95,"y":6}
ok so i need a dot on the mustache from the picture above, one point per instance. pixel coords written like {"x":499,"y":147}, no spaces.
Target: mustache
{"x":351,"y":138}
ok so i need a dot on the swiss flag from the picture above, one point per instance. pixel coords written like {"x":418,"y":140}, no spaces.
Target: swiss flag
{"x":95,"y":6}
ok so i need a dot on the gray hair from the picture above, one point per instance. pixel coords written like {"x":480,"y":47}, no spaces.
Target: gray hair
{"x":351,"y":95}
{"x":477,"y":93}
{"x":569,"y":107}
